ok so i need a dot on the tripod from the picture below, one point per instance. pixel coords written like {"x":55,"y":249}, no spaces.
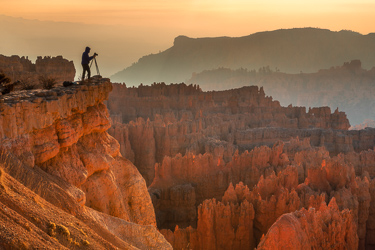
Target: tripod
{"x":96,"y":64}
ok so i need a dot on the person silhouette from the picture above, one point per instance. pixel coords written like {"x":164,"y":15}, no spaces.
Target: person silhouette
{"x":85,"y":63}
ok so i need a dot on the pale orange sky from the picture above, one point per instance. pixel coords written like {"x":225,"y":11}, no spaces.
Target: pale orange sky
{"x":122,"y":31}
{"x":204,"y":17}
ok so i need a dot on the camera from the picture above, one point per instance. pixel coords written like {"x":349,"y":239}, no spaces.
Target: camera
{"x":95,"y":54}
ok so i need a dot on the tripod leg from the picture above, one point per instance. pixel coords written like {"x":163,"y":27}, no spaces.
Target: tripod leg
{"x":97,"y":68}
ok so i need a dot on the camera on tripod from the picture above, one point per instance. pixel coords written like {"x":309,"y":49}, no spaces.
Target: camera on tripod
{"x":95,"y":54}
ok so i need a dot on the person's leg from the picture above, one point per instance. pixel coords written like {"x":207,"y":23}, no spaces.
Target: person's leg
{"x":84,"y":71}
{"x":86,"y":67}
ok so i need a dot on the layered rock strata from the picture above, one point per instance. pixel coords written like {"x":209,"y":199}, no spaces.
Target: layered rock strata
{"x":164,"y":120}
{"x":55,"y":143}
{"x":260,"y":110}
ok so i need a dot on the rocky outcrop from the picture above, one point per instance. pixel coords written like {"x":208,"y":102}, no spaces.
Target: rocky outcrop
{"x":220,"y":226}
{"x":335,"y":178}
{"x":370,"y":226}
{"x":55,"y":143}
{"x":306,"y":178}
{"x":260,"y":110}
{"x":209,"y":176}
{"x":205,"y":154}
{"x":164,"y":120}
{"x":325,"y":227}
{"x":22,"y":69}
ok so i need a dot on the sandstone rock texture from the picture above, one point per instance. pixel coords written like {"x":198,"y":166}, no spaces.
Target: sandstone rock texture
{"x":161,"y":99}
{"x":207,"y":155}
{"x":324,"y":228}
{"x":220,"y":226}
{"x":22,"y":69}
{"x":301,"y":180}
{"x":151,"y":122}
{"x":55,"y":149}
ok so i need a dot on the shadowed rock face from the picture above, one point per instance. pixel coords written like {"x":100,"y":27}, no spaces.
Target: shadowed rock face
{"x":151,"y":122}
{"x":348,"y":87}
{"x":55,"y":143}
{"x":223,"y":167}
{"x":290,"y":50}
{"x":22,"y":69}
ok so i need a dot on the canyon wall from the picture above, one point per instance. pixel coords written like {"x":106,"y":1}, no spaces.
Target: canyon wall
{"x":55,"y":150}
{"x":348,"y":86}
{"x":22,"y":69}
{"x":224,"y":166}
{"x":175,"y":100}
{"x":151,"y":122}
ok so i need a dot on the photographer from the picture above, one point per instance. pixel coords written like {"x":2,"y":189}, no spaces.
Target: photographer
{"x":85,"y":63}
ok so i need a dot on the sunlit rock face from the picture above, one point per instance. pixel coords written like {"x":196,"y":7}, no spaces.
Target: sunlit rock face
{"x":319,"y":228}
{"x":301,"y":181}
{"x":60,"y":148}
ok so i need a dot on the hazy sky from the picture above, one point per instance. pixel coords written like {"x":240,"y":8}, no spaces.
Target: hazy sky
{"x":203,"y":17}
{"x":122,"y":31}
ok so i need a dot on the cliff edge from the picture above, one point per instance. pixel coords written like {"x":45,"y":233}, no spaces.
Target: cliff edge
{"x":63,"y":177}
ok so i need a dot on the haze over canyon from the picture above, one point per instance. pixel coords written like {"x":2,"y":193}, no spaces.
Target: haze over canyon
{"x":265,"y":141}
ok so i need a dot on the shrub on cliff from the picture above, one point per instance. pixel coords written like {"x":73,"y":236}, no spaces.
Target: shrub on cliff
{"x":47,"y":82}
{"x":26,"y":83}
{"x":4,"y":79}
{"x":5,"y":87}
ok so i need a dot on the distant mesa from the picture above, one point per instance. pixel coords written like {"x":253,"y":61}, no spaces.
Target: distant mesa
{"x":348,"y":86}
{"x":289,"y":50}
{"x":368,"y":123}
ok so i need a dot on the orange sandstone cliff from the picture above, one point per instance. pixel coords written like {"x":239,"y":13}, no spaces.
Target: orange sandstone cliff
{"x":63,"y":180}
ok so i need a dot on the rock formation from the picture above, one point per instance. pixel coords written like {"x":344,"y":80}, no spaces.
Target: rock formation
{"x":325,"y":227}
{"x":22,"y":69}
{"x":164,"y":120}
{"x":307,"y":179}
{"x":348,"y":86}
{"x":226,"y":170}
{"x":57,"y":154}
{"x":221,"y":225}
{"x":261,"y":111}
{"x":194,"y":147}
